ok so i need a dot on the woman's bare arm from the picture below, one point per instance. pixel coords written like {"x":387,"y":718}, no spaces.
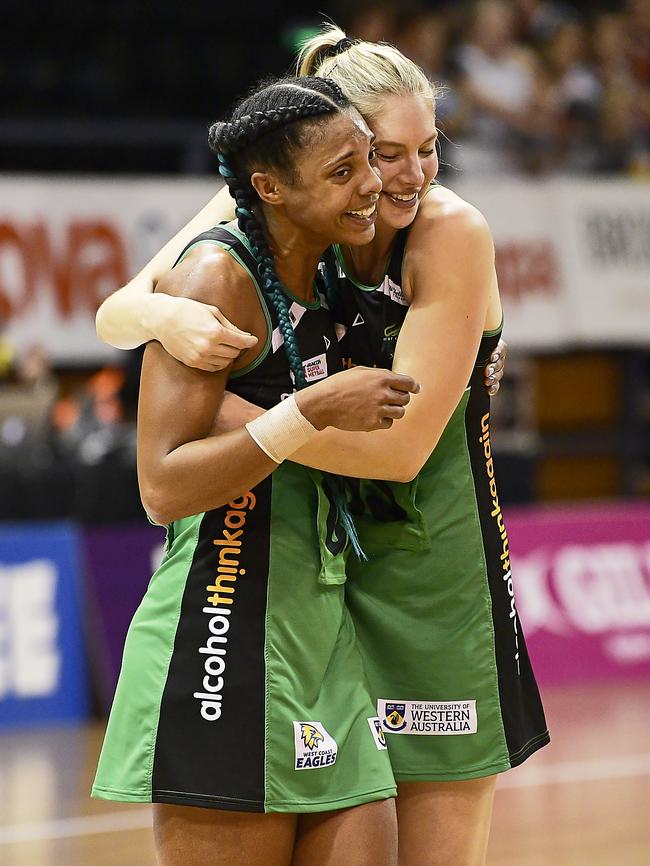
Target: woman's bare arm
{"x":184,"y":470}
{"x":180,"y":471}
{"x":196,"y":334}
{"x":437,"y":346}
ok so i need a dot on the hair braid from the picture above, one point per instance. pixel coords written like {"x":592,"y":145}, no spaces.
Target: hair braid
{"x":234,"y":143}
{"x":271,"y":285}
{"x":241,"y":133}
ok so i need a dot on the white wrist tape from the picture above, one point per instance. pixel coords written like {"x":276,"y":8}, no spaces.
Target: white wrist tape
{"x":282,"y":430}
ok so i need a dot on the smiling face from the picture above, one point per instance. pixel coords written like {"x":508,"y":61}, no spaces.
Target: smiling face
{"x":333,"y":196}
{"x":405,"y":147}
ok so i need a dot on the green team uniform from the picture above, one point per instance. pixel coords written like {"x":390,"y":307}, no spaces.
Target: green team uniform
{"x":242,"y":685}
{"x":434,"y":608}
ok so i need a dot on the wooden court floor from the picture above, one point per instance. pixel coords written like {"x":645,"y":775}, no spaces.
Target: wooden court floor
{"x":583,"y":801}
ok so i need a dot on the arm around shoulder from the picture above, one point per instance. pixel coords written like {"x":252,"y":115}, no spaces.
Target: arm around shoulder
{"x":449,"y":273}
{"x":132,"y":315}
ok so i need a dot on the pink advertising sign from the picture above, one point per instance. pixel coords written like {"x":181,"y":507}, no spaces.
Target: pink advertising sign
{"x":582,"y":586}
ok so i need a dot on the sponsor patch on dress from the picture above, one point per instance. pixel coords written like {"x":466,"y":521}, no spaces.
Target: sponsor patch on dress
{"x":430,"y":718}
{"x":315,"y":368}
{"x":377,"y":732}
{"x":315,"y":748}
{"x":394,"y":292}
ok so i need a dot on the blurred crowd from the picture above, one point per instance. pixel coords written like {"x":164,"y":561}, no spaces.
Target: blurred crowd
{"x":526,"y":86}
{"x":530,"y":86}
{"x":67,"y":439}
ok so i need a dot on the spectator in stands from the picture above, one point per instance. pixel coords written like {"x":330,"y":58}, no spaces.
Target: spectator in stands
{"x":374,"y":21}
{"x":620,"y":98}
{"x":27,"y":397}
{"x":574,"y":94}
{"x":89,"y":423}
{"x":537,"y":20}
{"x":499,"y":78}
{"x":425,"y":38}
{"x":638,"y":18}
{"x":638,"y":49}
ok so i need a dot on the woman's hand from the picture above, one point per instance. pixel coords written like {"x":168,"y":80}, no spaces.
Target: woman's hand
{"x":363,"y":398}
{"x":197,"y":334}
{"x":494,"y":370}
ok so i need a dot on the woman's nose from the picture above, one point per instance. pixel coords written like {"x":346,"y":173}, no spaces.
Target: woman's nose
{"x":371,"y":182}
{"x":413,"y":173}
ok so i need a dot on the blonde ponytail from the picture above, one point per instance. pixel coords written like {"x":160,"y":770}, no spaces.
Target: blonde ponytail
{"x":367,"y":72}
{"x":311,"y":54}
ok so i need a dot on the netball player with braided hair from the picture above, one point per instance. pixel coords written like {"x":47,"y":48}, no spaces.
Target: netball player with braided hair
{"x":433,"y":608}
{"x":242,"y":689}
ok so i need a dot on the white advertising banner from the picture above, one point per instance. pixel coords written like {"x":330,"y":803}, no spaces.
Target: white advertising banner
{"x":573,"y":257}
{"x":66,"y":244}
{"x":606,"y":251}
{"x":531,"y":267}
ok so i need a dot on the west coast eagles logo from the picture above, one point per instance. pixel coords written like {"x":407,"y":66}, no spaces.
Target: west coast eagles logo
{"x":310,"y":735}
{"x":315,"y":746}
{"x":394,"y":717}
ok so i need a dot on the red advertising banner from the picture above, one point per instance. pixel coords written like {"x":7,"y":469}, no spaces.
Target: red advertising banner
{"x":582,"y":586}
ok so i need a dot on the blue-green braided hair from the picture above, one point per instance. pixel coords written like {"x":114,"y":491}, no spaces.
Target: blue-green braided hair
{"x":268,"y":131}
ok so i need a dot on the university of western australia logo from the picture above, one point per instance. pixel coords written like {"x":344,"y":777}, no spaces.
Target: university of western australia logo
{"x":431,"y":718}
{"x":394,"y":717}
{"x":315,"y":748}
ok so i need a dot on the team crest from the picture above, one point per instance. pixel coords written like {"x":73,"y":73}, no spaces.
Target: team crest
{"x":377,"y":733}
{"x":394,"y":717}
{"x":315,"y":748}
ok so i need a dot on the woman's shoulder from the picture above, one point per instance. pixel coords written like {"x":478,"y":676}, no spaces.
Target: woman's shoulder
{"x":207,"y":273}
{"x":444,"y":217}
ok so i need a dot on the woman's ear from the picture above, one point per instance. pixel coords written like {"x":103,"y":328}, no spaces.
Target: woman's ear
{"x":267,"y":187}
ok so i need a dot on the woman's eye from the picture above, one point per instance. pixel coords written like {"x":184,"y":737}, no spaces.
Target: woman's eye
{"x":427,"y":152}
{"x":386,"y":157}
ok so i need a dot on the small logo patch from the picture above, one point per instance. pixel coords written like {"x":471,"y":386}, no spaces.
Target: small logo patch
{"x":315,"y":748}
{"x":377,"y":732}
{"x":432,"y":718}
{"x":391,"y":332}
{"x":394,"y":292}
{"x":315,"y":368}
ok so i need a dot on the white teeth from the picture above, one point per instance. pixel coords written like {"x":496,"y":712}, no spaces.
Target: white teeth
{"x":402,"y":197}
{"x":369,"y":211}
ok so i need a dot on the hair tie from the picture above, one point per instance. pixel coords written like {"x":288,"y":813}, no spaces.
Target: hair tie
{"x":341,"y":46}
{"x":224,"y":168}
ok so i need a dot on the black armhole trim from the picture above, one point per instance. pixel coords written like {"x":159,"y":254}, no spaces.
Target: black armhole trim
{"x":227,"y":238}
